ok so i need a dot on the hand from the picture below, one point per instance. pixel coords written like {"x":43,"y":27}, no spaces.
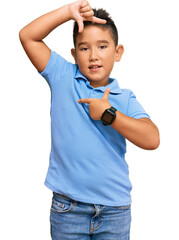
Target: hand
{"x":97,"y":106}
{"x":81,"y":11}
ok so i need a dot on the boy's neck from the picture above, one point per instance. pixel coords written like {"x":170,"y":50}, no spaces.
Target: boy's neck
{"x":97,"y":84}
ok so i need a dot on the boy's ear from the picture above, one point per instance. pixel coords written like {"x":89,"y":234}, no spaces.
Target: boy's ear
{"x":73,"y":53}
{"x":119,"y":52}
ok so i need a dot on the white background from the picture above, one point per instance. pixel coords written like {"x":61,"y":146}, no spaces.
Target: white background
{"x":149,"y":32}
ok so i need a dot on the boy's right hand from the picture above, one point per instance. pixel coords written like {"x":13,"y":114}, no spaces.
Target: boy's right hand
{"x":81,"y":11}
{"x":32,"y":35}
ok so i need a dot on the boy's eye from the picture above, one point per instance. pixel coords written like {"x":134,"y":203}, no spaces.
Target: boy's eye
{"x":84,"y":49}
{"x":103,"y":47}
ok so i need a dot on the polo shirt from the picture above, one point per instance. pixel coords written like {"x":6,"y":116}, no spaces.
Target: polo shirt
{"x":87,"y":159}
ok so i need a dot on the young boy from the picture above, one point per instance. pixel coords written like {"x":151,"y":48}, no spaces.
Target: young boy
{"x":90,"y":119}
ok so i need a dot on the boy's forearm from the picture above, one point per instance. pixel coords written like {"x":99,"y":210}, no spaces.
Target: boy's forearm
{"x":42,"y":26}
{"x":141,"y":132}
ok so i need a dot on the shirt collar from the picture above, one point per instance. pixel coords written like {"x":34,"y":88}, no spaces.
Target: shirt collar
{"x":113,"y":84}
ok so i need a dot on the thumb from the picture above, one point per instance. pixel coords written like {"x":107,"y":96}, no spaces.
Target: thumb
{"x":106,"y":94}
{"x":80,"y":26}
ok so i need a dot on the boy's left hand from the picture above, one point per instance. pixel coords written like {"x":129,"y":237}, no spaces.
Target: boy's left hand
{"x":97,"y":106}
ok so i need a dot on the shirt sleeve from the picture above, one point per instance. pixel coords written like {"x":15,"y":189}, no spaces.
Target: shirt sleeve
{"x":55,"y":68}
{"x":135,"y":109}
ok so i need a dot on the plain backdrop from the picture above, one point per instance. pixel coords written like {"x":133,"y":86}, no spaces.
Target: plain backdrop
{"x":150,"y":67}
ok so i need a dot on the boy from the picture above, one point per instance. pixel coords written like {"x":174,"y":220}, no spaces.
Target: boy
{"x":90,"y":119}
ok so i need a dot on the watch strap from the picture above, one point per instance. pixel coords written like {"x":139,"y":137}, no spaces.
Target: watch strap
{"x":112,"y":109}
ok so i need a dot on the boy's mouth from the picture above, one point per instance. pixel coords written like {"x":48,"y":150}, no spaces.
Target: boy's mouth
{"x":94,"y":67}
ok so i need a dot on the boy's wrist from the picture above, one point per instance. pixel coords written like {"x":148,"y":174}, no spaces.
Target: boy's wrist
{"x":108,"y":116}
{"x":69,"y":11}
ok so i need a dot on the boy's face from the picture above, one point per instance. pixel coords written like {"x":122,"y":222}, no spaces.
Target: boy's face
{"x":95,"y":54}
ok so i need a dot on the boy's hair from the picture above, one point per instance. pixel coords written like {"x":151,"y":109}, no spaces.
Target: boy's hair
{"x":110,"y":25}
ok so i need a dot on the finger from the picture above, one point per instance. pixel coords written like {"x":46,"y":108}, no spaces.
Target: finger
{"x":106,"y":94}
{"x":84,"y":3}
{"x":80,"y":26}
{"x":85,"y":9}
{"x":85,"y":100}
{"x":88,"y":14}
{"x":98,"y":20}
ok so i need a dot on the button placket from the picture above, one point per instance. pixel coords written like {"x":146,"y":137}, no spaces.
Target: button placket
{"x":93,"y":93}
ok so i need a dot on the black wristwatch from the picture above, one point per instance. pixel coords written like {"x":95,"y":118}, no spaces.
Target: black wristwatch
{"x":108,"y":116}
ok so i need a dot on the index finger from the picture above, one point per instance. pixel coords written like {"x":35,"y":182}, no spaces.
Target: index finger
{"x":85,"y":100}
{"x":98,"y":20}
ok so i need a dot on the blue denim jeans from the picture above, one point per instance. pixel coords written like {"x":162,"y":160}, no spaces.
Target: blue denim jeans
{"x":80,"y":221}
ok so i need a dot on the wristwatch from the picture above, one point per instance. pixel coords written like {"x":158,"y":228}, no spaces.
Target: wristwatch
{"x":108,"y":116}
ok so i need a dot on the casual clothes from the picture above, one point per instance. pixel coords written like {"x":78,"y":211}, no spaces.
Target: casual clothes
{"x":87,"y":160}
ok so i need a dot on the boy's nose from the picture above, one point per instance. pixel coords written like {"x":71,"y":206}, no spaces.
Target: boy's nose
{"x":93,"y":55}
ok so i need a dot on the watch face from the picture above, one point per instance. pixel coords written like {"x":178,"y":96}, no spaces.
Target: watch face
{"x":108,"y":117}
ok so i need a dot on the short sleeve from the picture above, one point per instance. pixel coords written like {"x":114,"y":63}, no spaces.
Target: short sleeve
{"x":135,"y":109}
{"x":55,"y":68}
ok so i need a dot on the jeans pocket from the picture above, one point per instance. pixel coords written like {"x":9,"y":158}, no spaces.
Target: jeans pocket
{"x":61,"y":207}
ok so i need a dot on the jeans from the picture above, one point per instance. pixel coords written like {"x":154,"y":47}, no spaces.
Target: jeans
{"x":76,"y":220}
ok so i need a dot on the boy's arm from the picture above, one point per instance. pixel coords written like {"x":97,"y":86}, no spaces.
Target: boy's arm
{"x":32,"y":35}
{"x":142,"y":132}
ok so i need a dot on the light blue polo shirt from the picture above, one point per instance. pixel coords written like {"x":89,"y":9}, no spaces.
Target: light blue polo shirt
{"x":87,"y":159}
